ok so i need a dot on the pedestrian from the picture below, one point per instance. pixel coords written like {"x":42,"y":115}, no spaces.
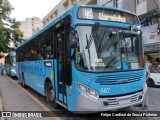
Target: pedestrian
{"x":145,"y":103}
{"x":2,"y":69}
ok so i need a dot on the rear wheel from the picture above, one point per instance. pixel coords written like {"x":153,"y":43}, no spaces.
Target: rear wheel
{"x":50,"y":95}
{"x":150,"y":82}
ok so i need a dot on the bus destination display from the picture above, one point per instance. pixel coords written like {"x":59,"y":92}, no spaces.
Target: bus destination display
{"x":107,"y":15}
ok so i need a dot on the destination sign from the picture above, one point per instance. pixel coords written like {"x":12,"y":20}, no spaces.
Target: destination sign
{"x":107,"y":15}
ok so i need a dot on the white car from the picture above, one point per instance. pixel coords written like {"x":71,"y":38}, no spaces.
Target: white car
{"x":154,"y":79}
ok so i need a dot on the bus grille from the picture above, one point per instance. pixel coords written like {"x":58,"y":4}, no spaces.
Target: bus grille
{"x":115,"y":101}
{"x":119,"y":79}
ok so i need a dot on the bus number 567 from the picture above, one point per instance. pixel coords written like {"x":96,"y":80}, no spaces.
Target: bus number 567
{"x":105,"y":90}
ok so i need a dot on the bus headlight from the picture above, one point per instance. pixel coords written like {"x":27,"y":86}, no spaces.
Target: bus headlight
{"x":92,"y":93}
{"x":13,"y":70}
{"x":14,"y":64}
{"x":82,"y":87}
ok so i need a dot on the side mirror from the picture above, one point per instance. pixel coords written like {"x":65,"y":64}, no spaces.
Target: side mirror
{"x":73,"y":39}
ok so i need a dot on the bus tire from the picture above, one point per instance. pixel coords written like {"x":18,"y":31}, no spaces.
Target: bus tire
{"x":50,"y":95}
{"x":23,"y":81}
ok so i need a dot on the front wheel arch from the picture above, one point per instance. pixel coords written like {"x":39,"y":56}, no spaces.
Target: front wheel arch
{"x":50,"y":93}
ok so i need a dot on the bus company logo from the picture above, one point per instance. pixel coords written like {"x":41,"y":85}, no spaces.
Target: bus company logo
{"x":124,"y":88}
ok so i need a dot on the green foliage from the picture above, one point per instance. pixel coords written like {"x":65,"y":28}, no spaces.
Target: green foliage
{"x":8,"y":27}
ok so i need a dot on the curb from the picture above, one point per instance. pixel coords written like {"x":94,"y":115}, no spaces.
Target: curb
{"x":1,"y":108}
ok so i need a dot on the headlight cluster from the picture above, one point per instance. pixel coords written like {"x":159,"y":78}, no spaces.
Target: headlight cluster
{"x":92,"y":93}
{"x":14,"y":64}
{"x":13,"y":70}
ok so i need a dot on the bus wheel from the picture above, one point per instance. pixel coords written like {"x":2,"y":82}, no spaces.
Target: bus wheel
{"x":23,"y":81}
{"x":50,"y":95}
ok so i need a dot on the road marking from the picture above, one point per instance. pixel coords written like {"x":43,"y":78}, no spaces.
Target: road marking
{"x":37,"y":101}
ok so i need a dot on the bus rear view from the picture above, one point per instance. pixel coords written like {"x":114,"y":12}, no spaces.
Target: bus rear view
{"x":10,"y":64}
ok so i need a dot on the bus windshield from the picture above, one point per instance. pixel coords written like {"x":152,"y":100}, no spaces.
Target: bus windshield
{"x":13,"y":60}
{"x":104,"y":49}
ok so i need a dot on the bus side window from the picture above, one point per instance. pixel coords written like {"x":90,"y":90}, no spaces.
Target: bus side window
{"x":49,"y":44}
{"x":39,"y":48}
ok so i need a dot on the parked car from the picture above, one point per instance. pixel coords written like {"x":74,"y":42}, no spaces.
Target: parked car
{"x":154,"y":79}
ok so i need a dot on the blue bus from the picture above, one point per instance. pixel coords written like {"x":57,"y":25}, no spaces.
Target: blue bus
{"x":10,"y":64}
{"x":88,"y":59}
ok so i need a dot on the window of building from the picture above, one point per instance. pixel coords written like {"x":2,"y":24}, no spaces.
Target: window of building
{"x":65,"y":4}
{"x":72,"y":2}
{"x":55,"y":13}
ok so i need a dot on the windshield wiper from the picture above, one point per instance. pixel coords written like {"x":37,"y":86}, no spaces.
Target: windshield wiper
{"x":89,"y":41}
{"x":125,"y":49}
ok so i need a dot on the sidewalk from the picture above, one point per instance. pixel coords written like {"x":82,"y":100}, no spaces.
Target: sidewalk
{"x":15,"y":99}
{"x":1,"y":107}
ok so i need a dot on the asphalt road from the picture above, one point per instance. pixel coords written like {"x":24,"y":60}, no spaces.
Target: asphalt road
{"x":15,"y":98}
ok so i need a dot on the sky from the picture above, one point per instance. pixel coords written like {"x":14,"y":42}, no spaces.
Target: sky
{"x":28,"y":8}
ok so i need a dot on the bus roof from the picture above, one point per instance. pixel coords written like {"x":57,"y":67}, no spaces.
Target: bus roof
{"x":68,"y":12}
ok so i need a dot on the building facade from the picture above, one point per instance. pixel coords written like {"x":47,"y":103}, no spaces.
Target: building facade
{"x":30,"y":26}
{"x":147,"y":10}
{"x":63,"y":5}
{"x":149,"y":15}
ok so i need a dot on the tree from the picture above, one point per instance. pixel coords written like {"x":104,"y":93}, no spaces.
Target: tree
{"x":8,"y":27}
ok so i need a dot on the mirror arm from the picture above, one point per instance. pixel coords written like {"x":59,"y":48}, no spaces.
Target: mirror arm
{"x":73,"y":52}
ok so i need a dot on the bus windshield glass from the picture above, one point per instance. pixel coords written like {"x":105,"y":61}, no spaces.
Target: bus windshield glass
{"x":13,"y":60}
{"x":104,"y":49}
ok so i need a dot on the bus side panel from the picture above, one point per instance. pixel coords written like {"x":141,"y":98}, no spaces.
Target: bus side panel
{"x":27,"y":73}
{"x":42,"y":73}
{"x":47,"y":73}
{"x":31,"y":77}
{"x":19,"y":69}
{"x":72,"y":91}
{"x":13,"y":71}
{"x":33,"y":72}
{"x":39,"y":78}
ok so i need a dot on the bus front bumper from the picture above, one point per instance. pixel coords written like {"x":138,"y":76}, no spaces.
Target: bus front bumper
{"x":87,"y":104}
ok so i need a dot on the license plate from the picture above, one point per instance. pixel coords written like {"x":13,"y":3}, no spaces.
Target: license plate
{"x":124,"y":101}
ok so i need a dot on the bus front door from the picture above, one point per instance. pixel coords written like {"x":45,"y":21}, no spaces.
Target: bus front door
{"x":61,"y":65}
